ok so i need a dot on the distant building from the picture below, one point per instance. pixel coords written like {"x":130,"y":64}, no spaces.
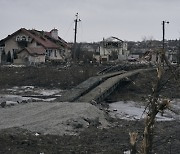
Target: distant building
{"x":173,"y":56}
{"x":133,"y":58}
{"x":113,"y":48}
{"x":90,"y":47}
{"x":154,"y":56}
{"x":33,"y":46}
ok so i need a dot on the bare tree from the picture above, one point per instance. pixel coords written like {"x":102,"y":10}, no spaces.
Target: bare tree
{"x":133,"y":140}
{"x":155,"y":106}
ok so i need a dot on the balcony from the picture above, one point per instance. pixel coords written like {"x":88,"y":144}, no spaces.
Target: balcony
{"x":23,"y":39}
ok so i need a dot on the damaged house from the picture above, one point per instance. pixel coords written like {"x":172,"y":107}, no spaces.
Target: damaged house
{"x":113,"y":48}
{"x":33,"y":46}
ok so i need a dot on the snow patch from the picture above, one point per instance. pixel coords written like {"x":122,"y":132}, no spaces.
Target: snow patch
{"x":13,"y":65}
{"x":47,"y":92}
{"x":9,"y":103}
{"x":133,"y":111}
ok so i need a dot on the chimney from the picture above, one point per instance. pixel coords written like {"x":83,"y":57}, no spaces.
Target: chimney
{"x":54,"y":33}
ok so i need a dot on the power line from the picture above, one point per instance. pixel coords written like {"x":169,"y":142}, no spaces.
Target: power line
{"x":81,"y":28}
{"x":68,"y":29}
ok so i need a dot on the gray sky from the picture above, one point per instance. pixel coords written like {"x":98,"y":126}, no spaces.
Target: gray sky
{"x":125,"y":19}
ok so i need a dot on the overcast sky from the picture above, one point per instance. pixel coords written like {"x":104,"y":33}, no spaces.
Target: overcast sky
{"x":130,"y":20}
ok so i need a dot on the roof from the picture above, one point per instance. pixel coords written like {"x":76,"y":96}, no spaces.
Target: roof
{"x":43,"y":38}
{"x":58,"y":41}
{"x":112,"y":39}
{"x":34,"y":51}
{"x":40,"y":38}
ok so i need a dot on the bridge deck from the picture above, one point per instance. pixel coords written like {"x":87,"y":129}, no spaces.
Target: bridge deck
{"x":85,"y":87}
{"x":104,"y":89}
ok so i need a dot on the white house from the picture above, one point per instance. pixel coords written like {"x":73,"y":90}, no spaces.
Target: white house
{"x":39,"y":46}
{"x":113,"y":48}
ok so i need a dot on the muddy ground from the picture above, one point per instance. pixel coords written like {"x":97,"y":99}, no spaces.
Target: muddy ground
{"x":63,"y":77}
{"x":92,"y":140}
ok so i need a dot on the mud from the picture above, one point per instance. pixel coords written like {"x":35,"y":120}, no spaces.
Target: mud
{"x":113,"y":139}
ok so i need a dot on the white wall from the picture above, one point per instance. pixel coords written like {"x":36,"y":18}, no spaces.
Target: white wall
{"x":37,"y":59}
{"x":54,"y":55}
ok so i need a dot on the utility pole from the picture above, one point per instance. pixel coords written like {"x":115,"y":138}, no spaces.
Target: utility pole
{"x":178,"y":53}
{"x":163,"y":51}
{"x":75,"y":35}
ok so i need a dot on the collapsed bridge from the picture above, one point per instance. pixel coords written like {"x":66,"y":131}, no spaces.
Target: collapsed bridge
{"x":99,"y":87}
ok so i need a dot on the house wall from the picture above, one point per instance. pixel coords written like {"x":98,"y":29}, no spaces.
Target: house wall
{"x":10,"y":45}
{"x":122,"y":57}
{"x":28,"y":59}
{"x":1,"y":52}
{"x":120,"y":50}
{"x":102,"y":51}
{"x":155,"y":58}
{"x":24,"y":54}
{"x":0,"y":55}
{"x":36,"y":59}
{"x":67,"y":54}
{"x":18,"y":61}
{"x":108,"y":51}
{"x":54,"y":54}
{"x":33,"y":44}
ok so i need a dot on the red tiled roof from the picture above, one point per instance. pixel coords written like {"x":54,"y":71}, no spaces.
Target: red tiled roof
{"x":40,"y":39}
{"x":43,"y":38}
{"x":34,"y":51}
{"x":60,"y":40}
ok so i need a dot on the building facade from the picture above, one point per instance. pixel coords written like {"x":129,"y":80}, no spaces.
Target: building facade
{"x":113,"y":48}
{"x":36,"y":44}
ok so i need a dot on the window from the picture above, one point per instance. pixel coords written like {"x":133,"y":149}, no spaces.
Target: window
{"x":18,"y":38}
{"x":55,"y":54}
{"x":23,"y":38}
{"x":29,"y":39}
{"x":15,"y":53}
{"x":38,"y":44}
{"x":1,"y":48}
{"x":48,"y":52}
